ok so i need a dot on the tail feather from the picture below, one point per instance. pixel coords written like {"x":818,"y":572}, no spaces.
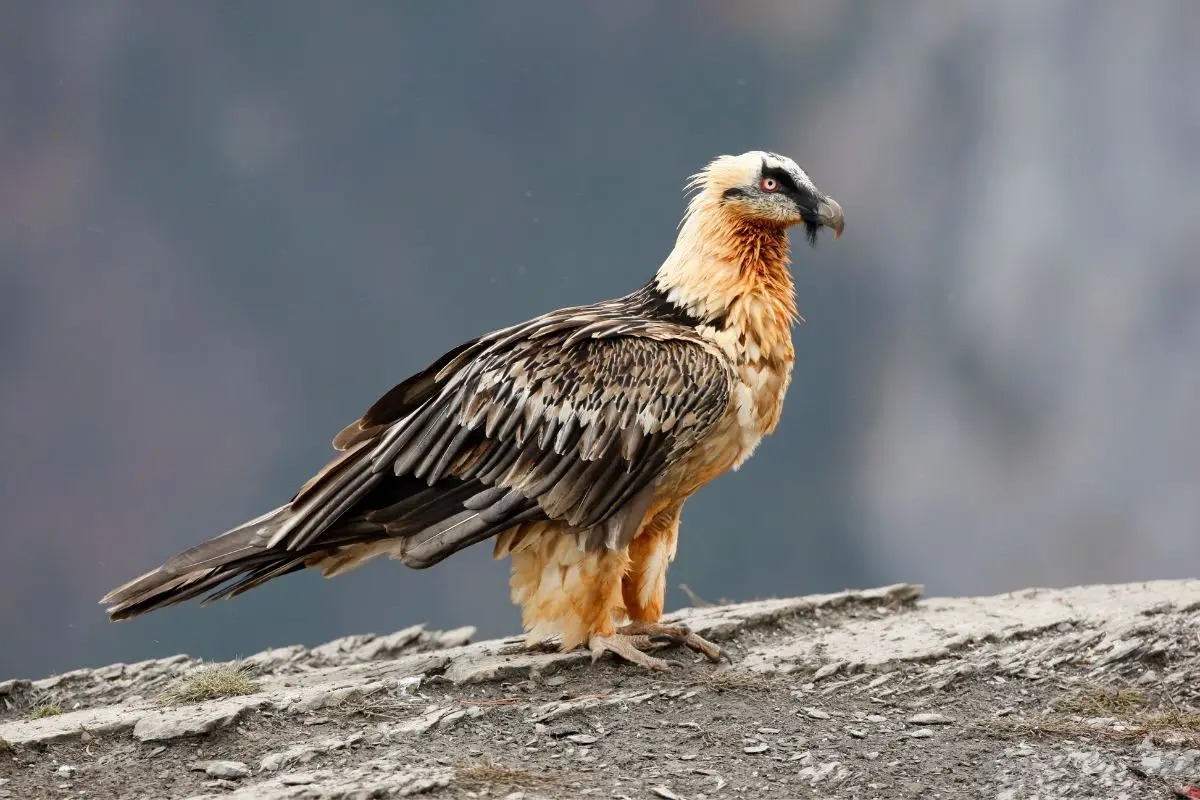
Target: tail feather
{"x":418,"y":523}
{"x":290,"y":563}
{"x":233,"y":545}
{"x":197,"y":569}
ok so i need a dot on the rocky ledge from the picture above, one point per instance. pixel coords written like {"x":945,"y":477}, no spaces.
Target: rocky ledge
{"x":1083,"y":692}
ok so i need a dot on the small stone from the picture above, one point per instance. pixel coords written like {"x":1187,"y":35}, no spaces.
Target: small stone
{"x":754,"y":749}
{"x":556,"y":680}
{"x":1151,"y":765}
{"x":515,"y":796}
{"x":816,"y":774}
{"x":816,"y":713}
{"x":857,"y":733}
{"x":582,"y":738}
{"x":826,"y":671}
{"x":665,"y":793}
{"x":881,"y":680}
{"x":297,"y":779}
{"x":930,"y":718}
{"x":1004,"y":712}
{"x":872,"y":755}
{"x":453,"y":718}
{"x":768,"y":731}
{"x":1188,"y":763}
{"x":222,"y":769}
{"x":65,"y":771}
{"x":921,"y":733}
{"x":302,"y":754}
{"x":227,"y":769}
{"x":876,"y":718}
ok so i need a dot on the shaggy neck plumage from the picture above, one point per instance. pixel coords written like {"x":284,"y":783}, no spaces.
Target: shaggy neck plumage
{"x":725,"y":268}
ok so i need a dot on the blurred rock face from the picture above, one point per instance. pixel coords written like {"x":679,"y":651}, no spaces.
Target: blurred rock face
{"x":1025,"y":176}
{"x":223,"y":234}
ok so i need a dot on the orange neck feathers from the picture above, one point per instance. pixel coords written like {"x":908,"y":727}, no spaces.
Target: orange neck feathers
{"x":724,"y":267}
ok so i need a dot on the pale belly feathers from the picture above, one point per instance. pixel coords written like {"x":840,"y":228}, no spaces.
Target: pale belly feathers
{"x":754,"y":410}
{"x":764,"y":372}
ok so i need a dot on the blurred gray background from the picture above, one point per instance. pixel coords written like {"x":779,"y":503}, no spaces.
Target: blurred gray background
{"x":226,"y":228}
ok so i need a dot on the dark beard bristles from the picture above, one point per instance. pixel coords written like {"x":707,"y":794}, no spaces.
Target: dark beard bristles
{"x":810,"y":231}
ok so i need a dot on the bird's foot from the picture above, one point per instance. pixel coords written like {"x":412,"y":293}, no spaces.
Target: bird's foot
{"x":631,"y":642}
{"x":677,"y":635}
{"x":631,"y":648}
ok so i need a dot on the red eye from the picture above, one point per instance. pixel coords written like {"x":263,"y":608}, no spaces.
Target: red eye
{"x":769,"y":184}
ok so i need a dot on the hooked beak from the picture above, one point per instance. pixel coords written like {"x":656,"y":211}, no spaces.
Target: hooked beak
{"x":830,"y":215}
{"x":819,"y":211}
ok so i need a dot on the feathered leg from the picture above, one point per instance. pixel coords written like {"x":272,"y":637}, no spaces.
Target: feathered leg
{"x":564,"y":591}
{"x":579,"y":596}
{"x":644,"y":587}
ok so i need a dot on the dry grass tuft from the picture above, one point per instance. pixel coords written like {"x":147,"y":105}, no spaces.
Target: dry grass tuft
{"x":5,"y":745}
{"x":730,"y":680}
{"x":380,"y":706}
{"x":1139,"y":713}
{"x":487,"y":774}
{"x":1100,"y":702}
{"x":209,"y":683}
{"x":43,"y":711}
{"x":1057,"y":726}
{"x":1174,"y":719}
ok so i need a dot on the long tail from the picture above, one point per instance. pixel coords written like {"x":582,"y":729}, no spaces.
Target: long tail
{"x":349,"y":512}
{"x":242,"y":550}
{"x":419,"y":524}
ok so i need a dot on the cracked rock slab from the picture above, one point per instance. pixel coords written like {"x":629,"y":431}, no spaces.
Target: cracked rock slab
{"x":849,"y":694}
{"x":944,"y":626}
{"x":176,"y":723}
{"x":399,"y":781}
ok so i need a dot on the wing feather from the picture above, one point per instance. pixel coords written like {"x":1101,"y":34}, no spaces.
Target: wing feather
{"x":574,"y":423}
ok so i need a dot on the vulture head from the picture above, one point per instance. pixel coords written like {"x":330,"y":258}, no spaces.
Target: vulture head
{"x":770,"y":190}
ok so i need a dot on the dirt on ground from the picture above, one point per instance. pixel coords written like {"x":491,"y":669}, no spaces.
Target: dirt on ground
{"x":1091,"y":692}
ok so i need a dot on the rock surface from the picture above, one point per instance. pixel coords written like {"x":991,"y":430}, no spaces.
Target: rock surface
{"x":1084,"y":692}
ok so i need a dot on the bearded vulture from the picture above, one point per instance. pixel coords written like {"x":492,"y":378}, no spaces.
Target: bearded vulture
{"x":571,"y":440}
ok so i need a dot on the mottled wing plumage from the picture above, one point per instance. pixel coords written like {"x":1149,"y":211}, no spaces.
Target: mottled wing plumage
{"x":598,"y":419}
{"x":569,"y":417}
